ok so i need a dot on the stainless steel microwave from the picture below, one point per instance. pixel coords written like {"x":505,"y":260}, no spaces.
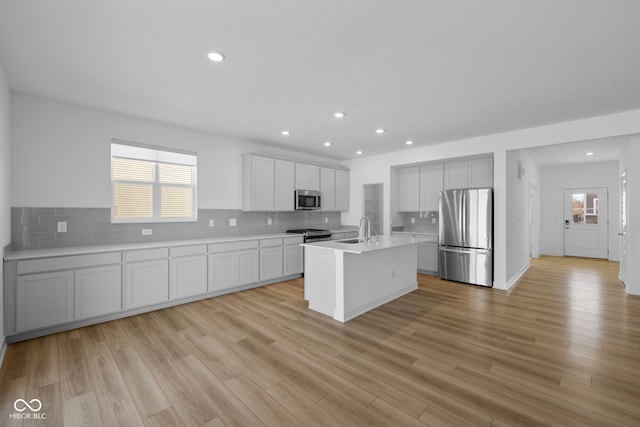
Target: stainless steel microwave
{"x":307,"y":199}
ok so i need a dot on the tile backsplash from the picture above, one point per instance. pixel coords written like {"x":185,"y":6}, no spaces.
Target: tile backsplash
{"x":424,"y":222}
{"x":37,"y":228}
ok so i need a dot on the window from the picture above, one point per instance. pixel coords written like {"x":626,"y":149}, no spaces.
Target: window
{"x":584,"y":208}
{"x":152,"y":185}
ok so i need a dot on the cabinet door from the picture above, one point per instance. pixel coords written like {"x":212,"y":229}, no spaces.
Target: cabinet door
{"x":44,"y":300}
{"x":431,"y":183}
{"x":258,"y":183}
{"x":328,"y":188}
{"x":247,"y":267}
{"x":188,"y":276}
{"x":428,"y":257}
{"x":98,"y":291}
{"x":307,"y":177}
{"x":292,"y":260}
{"x":222,"y":271}
{"x":481,"y":173}
{"x":146,"y":283}
{"x":342,"y":190}
{"x":284,"y":185}
{"x":270,"y":262}
{"x":408,"y":189}
{"x":456,"y":174}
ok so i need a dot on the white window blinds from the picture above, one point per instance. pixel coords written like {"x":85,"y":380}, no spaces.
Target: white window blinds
{"x":152,"y":185}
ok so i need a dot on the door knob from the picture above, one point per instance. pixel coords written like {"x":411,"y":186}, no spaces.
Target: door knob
{"x":622,"y":234}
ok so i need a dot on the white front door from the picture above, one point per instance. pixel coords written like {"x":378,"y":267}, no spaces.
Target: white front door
{"x":586,"y":222}
{"x":624,"y":212}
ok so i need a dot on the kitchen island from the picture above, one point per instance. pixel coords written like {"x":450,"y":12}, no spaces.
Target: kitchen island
{"x":346,"y":278}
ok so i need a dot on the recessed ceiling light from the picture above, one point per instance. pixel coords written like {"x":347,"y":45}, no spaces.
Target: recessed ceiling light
{"x":380,"y":130}
{"x":408,"y":142}
{"x":590,"y":153}
{"x":338,"y":114}
{"x":285,"y":132}
{"x":359,"y":152}
{"x":327,"y":144}
{"x":216,"y":56}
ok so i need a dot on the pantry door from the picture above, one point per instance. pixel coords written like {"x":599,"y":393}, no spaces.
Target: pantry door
{"x":586,"y":222}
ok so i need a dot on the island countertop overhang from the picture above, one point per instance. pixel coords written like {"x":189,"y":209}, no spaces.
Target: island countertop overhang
{"x":376,"y":243}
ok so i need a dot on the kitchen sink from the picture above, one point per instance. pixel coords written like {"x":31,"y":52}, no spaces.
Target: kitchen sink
{"x":350,"y":241}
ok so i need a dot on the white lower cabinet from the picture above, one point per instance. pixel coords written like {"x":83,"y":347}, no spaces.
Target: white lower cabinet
{"x":146,"y":277}
{"x":43,"y":300}
{"x":271,"y":262}
{"x":98,"y":291}
{"x":232,"y":264}
{"x":428,"y":257}
{"x":293,"y":256}
{"x":188,"y":270}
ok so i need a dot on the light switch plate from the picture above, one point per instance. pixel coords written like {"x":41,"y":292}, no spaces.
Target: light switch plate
{"x":269,"y":221}
{"x":433,"y":220}
{"x":62,"y":227}
{"x":232,"y":222}
{"x":413,"y":220}
{"x":211,"y":223}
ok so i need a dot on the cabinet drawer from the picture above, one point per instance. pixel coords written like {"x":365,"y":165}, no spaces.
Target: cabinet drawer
{"x":188,"y":250}
{"x":67,"y":262}
{"x":232,"y":246}
{"x":146,"y":254}
{"x":296,"y":240}
{"x":266,"y":243}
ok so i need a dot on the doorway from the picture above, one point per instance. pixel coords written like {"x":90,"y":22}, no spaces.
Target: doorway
{"x":373,"y":206}
{"x":586,"y":222}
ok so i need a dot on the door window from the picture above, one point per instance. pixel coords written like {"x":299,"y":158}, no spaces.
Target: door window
{"x":584,"y":208}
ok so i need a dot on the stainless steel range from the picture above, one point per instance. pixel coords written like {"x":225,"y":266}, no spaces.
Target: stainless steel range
{"x":312,"y":234}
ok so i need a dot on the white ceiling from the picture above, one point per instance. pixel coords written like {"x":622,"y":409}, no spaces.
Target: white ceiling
{"x":431,"y":71}
{"x":604,"y":150}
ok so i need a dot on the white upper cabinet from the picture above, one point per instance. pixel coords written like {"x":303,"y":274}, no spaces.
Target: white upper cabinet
{"x":456,"y":174}
{"x":328,"y":188}
{"x":307,"y":177}
{"x":481,"y":173}
{"x":431,"y":183}
{"x":268,"y":184}
{"x":257,"y":183}
{"x":473,"y":173}
{"x":285,"y":174}
{"x":342,"y":190}
{"x":408,"y":189}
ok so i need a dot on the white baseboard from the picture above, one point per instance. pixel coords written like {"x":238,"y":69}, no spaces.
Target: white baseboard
{"x":512,"y":282}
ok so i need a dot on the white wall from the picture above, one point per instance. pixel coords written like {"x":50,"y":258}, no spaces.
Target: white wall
{"x":61,"y":155}
{"x":587,"y":175}
{"x":5,"y":189}
{"x":519,"y":210}
{"x":376,"y":168}
{"x":629,"y":162}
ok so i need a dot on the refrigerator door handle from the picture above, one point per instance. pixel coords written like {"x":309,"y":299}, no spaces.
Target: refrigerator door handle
{"x":463,"y":223}
{"x":464,"y":250}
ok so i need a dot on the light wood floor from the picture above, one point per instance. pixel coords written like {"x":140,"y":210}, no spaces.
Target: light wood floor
{"x":562,"y":349}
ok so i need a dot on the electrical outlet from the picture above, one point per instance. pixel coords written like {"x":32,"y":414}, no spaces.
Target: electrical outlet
{"x":269,"y":221}
{"x":232,"y":222}
{"x":147,"y":231}
{"x":62,"y":227}
{"x":433,"y":220}
{"x":211,"y":223}
{"x":413,"y":220}
{"x":326,"y":219}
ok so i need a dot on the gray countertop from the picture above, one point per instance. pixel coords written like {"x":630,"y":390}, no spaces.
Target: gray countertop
{"x":93,"y":249}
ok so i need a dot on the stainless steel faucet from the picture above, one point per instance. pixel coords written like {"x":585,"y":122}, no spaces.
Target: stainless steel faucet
{"x":364,"y":234}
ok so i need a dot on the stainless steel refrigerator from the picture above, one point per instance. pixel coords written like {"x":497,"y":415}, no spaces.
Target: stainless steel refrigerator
{"x":466,"y":236}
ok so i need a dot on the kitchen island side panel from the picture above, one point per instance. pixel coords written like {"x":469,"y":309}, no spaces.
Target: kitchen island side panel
{"x":377,"y":277}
